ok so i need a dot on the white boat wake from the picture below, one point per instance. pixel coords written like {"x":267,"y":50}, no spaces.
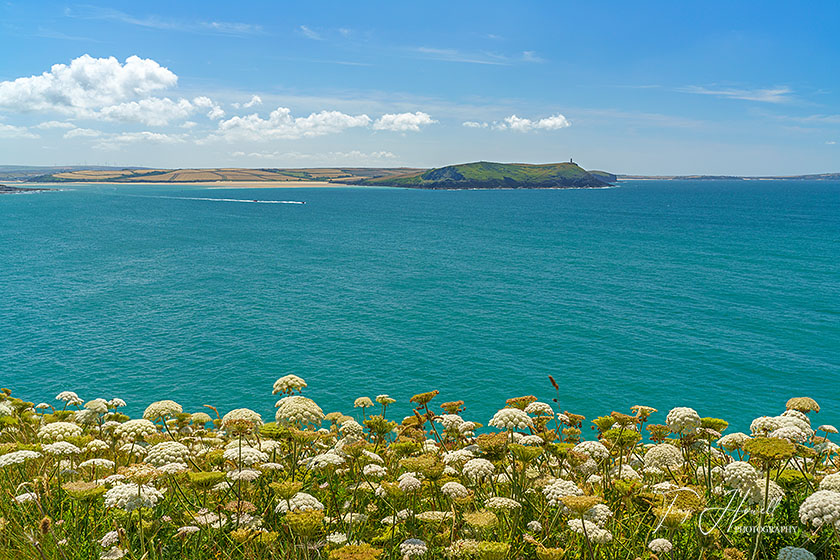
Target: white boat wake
{"x":209,"y":199}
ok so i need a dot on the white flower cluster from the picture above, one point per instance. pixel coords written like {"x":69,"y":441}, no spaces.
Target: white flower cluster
{"x":242,"y":415}
{"x":595,"y":450}
{"x":130,"y":496}
{"x":596,"y":534}
{"x":662,"y":456}
{"x":409,"y":483}
{"x":336,"y":538}
{"x":831,"y":482}
{"x":501,"y":503}
{"x":299,"y":502}
{"x":763,"y":425}
{"x":660,"y":546}
{"x":558,"y":489}
{"x":774,"y":494}
{"x":99,"y":406}
{"x":324,"y":460}
{"x":59,"y":431}
{"x":167,"y":452}
{"x":454,"y":490}
{"x":298,"y":410}
{"x":598,"y":514}
{"x":534,"y":526}
{"x":538,"y":408}
{"x":61,"y":448}
{"x":457,"y":456}
{"x":511,"y":419}
{"x":450,"y":421}
{"x":413,"y":547}
{"x":97,"y":463}
{"x":477,"y":469}
{"x":794,"y":553}
{"x":682,"y":420}
{"x":372,"y":470}
{"x":69,"y":397}
{"x":821,"y":508}
{"x":740,"y":475}
{"x":363,"y":402}
{"x":245,"y":456}
{"x":162,"y":410}
{"x":733,"y":441}
{"x":135,"y":430}
{"x":288,"y":384}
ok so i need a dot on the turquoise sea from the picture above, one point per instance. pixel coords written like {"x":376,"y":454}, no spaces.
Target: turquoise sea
{"x":722,"y":296}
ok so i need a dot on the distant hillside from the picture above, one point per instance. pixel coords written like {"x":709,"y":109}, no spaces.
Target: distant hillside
{"x":212,"y":175}
{"x":489,"y":175}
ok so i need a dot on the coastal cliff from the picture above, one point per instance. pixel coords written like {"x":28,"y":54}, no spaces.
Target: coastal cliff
{"x":490,"y":175}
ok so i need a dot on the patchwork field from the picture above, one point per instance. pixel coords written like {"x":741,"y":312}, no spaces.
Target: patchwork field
{"x":220,"y":175}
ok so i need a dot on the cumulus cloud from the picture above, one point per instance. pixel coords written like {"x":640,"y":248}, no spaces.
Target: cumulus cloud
{"x":11,"y":131}
{"x":153,"y":111}
{"x":519,"y":124}
{"x":82,"y":133}
{"x":118,"y":140}
{"x":553,"y":122}
{"x":403,"y":122}
{"x":281,"y":124}
{"x":86,"y":84}
{"x":214,"y":111}
{"x":54,"y":124}
{"x":352,"y":156}
{"x":255,"y":100}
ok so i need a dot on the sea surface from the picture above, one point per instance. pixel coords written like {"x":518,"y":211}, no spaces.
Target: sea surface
{"x":722,"y":296}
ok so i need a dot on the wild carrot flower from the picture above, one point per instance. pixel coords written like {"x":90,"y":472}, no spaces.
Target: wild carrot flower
{"x":132,"y":496}
{"x":660,"y":546}
{"x":413,"y":547}
{"x":298,"y":410}
{"x":683,"y":420}
{"x":59,"y":431}
{"x":511,"y":419}
{"x":821,"y":508}
{"x":161,"y":410}
{"x":167,"y":452}
{"x":476,"y":469}
{"x":288,"y":384}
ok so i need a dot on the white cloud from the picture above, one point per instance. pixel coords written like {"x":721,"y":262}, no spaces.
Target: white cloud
{"x":153,"y":111}
{"x":11,"y":131}
{"x":215,"y":112}
{"x":255,"y":100}
{"x":553,"y":122}
{"x":118,"y":140}
{"x":779,"y":94}
{"x":310,"y":34}
{"x":54,"y":124}
{"x":403,"y":122}
{"x":86,"y":84}
{"x":281,"y":124}
{"x":352,"y":156}
{"x":82,"y":133}
{"x":830,"y":142}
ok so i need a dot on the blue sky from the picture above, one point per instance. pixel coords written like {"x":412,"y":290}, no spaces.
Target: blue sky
{"x":643,"y":87}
